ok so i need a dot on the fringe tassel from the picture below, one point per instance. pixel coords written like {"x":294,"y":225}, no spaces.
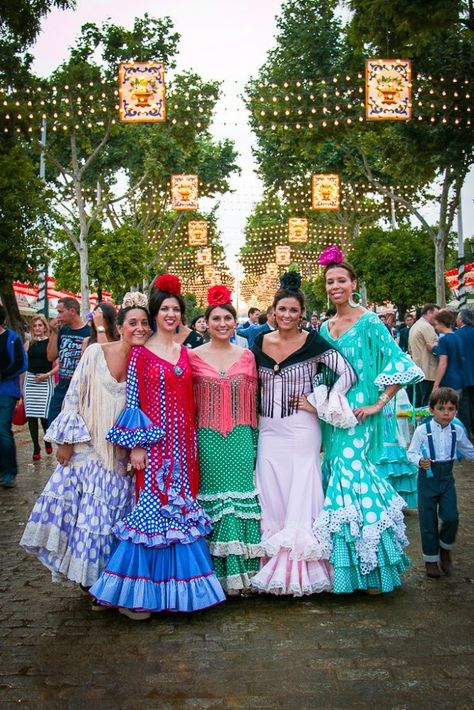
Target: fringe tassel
{"x":222,"y":404}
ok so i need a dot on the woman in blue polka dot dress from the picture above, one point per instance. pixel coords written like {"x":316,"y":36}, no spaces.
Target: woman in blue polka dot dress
{"x":361,"y":526}
{"x":162,"y":561}
{"x":70,"y":527}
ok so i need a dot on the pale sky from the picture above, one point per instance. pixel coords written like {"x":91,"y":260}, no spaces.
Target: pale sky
{"x":220,"y":39}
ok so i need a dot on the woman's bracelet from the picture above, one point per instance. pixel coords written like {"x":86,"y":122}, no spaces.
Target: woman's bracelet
{"x":384,"y":398}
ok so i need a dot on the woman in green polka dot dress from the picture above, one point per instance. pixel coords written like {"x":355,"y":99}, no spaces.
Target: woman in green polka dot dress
{"x":225,"y":390}
{"x":361,"y":526}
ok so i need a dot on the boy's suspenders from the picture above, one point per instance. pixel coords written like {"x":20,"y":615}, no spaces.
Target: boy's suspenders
{"x":429,"y":434}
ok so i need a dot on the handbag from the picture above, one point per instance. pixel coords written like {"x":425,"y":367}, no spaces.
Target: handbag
{"x":19,"y":416}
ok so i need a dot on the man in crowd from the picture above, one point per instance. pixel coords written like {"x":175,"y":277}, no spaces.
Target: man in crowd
{"x":65,"y":343}
{"x":405,"y":330}
{"x":253,"y":330}
{"x":421,"y":339}
{"x":465,"y":338}
{"x":12,"y":364}
{"x":314,"y":322}
{"x":253,"y":315}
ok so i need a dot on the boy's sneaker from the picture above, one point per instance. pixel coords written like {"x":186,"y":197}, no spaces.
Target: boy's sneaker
{"x":445,"y":562}
{"x":432,"y":570}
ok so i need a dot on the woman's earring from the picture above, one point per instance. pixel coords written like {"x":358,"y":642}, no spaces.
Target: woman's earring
{"x":351,"y":302}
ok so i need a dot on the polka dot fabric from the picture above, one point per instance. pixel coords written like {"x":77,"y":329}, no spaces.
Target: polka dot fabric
{"x":361,"y":527}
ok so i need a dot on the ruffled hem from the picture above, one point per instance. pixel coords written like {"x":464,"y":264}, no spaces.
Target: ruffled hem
{"x":125,"y":531}
{"x":299,"y":543}
{"x":237,"y":582}
{"x":246,"y":550}
{"x":177,"y":578}
{"x":365,"y":537}
{"x":285,"y":575}
{"x":409,"y":376}
{"x":133,"y":428}
{"x":68,"y":428}
{"x":332,"y":407}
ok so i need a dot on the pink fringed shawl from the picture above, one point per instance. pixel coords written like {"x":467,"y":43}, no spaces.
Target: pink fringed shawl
{"x":224,"y":401}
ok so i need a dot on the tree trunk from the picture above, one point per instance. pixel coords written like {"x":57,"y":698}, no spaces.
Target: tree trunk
{"x":84,"y":262}
{"x":440,"y":245}
{"x":14,"y":319}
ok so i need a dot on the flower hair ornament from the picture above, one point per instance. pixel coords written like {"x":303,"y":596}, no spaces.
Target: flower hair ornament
{"x":331,"y":255}
{"x":169,"y":283}
{"x":135,"y":299}
{"x":219,"y":295}
{"x":290,"y":281}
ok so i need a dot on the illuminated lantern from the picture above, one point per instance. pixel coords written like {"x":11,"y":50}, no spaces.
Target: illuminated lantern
{"x":325,"y":192}
{"x":184,"y":192}
{"x":197,"y":233}
{"x":387,"y":89}
{"x":142,"y":92}
{"x":204,"y":257}
{"x":297,"y":229}
{"x":282,"y":255}
{"x":272,"y":270}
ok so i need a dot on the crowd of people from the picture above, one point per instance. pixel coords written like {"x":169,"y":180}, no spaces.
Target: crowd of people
{"x":195,"y":463}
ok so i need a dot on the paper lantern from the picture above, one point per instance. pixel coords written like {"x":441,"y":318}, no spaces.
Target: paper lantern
{"x":204,"y":257}
{"x":184,"y":192}
{"x":388,"y":89}
{"x":282,"y":255}
{"x":272,"y":270}
{"x":325,"y":192}
{"x":142,"y":92}
{"x":297,"y":229}
{"x":197,"y":233}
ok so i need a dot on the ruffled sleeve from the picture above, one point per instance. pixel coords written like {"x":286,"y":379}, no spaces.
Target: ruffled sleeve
{"x":69,"y":426}
{"x":133,"y":427}
{"x":330,"y":402}
{"x":394,"y":367}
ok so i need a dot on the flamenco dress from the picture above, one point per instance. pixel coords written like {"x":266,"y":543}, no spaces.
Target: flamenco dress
{"x":288,"y":470}
{"x":226,"y":406}
{"x":361,"y":526}
{"x":70,"y":527}
{"x":161,"y":562}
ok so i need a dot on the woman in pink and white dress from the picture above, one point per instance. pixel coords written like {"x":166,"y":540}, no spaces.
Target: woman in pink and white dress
{"x":288,"y":472}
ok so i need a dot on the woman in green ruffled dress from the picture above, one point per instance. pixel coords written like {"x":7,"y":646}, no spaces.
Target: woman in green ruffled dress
{"x":361,"y":526}
{"x":225,"y":392}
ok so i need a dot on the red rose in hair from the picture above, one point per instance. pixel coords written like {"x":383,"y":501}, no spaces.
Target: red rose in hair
{"x":169,"y":283}
{"x":218,"y":296}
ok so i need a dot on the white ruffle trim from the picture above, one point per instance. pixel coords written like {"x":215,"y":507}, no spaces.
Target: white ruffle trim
{"x":228,"y":495}
{"x":236,"y":547}
{"x":367,"y":537}
{"x":332,"y":407}
{"x":278,"y":587}
{"x":236,"y":582}
{"x":410,"y":376}
{"x":301,"y":544}
{"x":235,"y":513}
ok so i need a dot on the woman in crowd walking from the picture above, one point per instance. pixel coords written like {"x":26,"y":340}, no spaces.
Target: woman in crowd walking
{"x":225,"y":390}
{"x":288,"y":472}
{"x":361,"y":526}
{"x":38,"y":383}
{"x":162,"y":562}
{"x":70,"y":527}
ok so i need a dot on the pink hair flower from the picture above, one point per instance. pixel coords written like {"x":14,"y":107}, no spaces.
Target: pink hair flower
{"x":331,"y":255}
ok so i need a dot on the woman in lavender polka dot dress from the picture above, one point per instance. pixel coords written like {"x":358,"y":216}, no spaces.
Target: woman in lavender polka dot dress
{"x":70,"y":527}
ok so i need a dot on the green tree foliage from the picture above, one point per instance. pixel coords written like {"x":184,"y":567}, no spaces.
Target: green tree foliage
{"x":396,"y":265}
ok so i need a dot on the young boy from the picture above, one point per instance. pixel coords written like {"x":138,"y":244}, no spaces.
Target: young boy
{"x":433,"y":449}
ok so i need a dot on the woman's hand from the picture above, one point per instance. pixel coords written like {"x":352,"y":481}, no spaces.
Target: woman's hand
{"x":138,"y":458}
{"x":303,"y":404}
{"x":64,"y":453}
{"x":361,"y":413}
{"x":41,"y":377}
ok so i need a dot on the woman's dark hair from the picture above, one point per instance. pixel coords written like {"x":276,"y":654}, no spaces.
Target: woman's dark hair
{"x":3,"y":315}
{"x":123,"y":312}
{"x":226,"y":306}
{"x":195,"y":320}
{"x":343,"y":265}
{"x":156,"y":299}
{"x":286,"y":293}
{"x":110,"y":318}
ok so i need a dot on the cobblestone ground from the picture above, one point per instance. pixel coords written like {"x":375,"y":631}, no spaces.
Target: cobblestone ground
{"x":410,"y":649}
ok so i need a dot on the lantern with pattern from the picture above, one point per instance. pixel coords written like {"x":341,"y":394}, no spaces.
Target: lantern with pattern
{"x":325,"y":192}
{"x":282,"y":255}
{"x":204,"y":257}
{"x":197,"y":233}
{"x":142,"y":92}
{"x":388,"y":89}
{"x":297,"y":229}
{"x":184,"y":192}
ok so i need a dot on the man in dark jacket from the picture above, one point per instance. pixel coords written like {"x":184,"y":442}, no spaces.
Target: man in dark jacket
{"x":12,"y":364}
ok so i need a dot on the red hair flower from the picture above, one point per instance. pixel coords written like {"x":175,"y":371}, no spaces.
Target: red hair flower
{"x":219,"y":296}
{"x":169,"y":283}
{"x":331,"y":255}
